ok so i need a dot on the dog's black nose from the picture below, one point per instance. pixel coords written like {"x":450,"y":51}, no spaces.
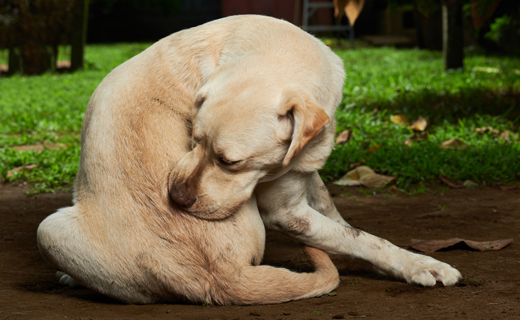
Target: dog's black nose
{"x":181,"y":196}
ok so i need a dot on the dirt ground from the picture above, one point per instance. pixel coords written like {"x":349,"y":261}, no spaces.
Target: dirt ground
{"x":490,"y":289}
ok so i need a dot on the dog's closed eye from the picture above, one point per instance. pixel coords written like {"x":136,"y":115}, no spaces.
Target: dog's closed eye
{"x":227,"y":162}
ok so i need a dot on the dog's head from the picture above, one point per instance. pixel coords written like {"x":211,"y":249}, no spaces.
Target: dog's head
{"x":243,"y":131}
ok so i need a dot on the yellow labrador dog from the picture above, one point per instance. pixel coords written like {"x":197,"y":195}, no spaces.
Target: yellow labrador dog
{"x":189,"y":149}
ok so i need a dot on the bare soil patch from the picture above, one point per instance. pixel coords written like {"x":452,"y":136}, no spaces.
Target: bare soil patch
{"x":490,"y":289}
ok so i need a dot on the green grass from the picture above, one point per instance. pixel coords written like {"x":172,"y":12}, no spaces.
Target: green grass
{"x":381,"y":82}
{"x":385,"y":82}
{"x":50,"y":108}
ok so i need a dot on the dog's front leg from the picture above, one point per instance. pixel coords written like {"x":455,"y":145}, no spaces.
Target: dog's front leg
{"x":318,"y":197}
{"x":284,"y":207}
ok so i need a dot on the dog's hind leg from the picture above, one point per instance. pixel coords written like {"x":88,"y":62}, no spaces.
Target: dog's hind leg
{"x":84,"y":258}
{"x":265,"y":284}
{"x":66,"y":280}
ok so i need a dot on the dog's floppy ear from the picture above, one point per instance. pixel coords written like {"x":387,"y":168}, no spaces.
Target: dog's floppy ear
{"x":301,"y":119}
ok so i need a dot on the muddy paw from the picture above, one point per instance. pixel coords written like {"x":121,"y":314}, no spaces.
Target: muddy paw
{"x":426,"y":271}
{"x":66,"y":280}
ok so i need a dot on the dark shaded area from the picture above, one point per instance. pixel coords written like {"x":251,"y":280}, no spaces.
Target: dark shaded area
{"x":128,"y":21}
{"x":451,"y":106}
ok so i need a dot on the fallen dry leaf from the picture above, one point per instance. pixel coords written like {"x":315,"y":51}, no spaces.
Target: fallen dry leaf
{"x":453,"y":144}
{"x":449,"y":182}
{"x":343,"y":137}
{"x":393,"y":189}
{"x":416,"y":137}
{"x":399,"y":119}
{"x":430,"y":246}
{"x":470,"y":184}
{"x":486,"y":130}
{"x":419,"y":124}
{"x":39,"y":147}
{"x":364,"y":176}
{"x":504,"y":136}
{"x":10,"y":173}
{"x":36,"y":147}
{"x":373,"y":149}
{"x":510,"y":187}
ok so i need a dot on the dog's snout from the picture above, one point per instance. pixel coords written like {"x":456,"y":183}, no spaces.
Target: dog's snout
{"x":181,"y":196}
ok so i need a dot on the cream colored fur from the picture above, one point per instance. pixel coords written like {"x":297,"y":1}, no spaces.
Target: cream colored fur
{"x":189,"y":148}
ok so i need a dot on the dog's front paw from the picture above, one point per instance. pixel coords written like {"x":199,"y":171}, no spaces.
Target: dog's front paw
{"x":426,"y":271}
{"x":66,"y":280}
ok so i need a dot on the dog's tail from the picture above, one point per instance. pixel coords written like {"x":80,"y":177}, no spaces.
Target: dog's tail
{"x":265,"y":284}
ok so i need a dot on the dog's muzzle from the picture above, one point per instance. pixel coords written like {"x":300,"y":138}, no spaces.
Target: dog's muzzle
{"x":181,"y":196}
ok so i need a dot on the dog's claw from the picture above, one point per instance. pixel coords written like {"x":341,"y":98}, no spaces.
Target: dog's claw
{"x":66,"y":280}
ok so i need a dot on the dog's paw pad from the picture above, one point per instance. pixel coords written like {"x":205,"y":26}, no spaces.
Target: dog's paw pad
{"x":66,"y":280}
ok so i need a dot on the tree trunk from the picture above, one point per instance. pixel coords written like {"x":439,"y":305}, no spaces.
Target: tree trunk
{"x":79,"y":34}
{"x":15,"y":61}
{"x":452,"y":34}
{"x":36,"y":58}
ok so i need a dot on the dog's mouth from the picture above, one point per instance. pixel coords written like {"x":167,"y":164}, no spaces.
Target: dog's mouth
{"x":207,"y":212}
{"x":214,"y":213}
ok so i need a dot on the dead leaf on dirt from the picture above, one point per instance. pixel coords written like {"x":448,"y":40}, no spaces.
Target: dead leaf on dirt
{"x":483,"y":130}
{"x":430,"y":246}
{"x":373,"y":149}
{"x":399,"y":119}
{"x":510,"y":187}
{"x":416,"y":137}
{"x":343,"y":137}
{"x":453,"y":144}
{"x":419,"y":124}
{"x":10,"y":173}
{"x":39,"y":147}
{"x":364,"y":176}
{"x":450,"y":182}
{"x":470,"y":184}
{"x":332,"y":294}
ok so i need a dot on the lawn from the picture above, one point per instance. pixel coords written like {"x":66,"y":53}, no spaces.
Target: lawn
{"x":45,"y":113}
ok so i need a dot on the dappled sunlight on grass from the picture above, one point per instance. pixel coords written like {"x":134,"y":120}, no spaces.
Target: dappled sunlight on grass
{"x":381,"y":82}
{"x":385,"y":82}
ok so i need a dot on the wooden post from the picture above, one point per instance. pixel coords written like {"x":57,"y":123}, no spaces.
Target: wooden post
{"x":452,"y":34}
{"x":79,"y":34}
